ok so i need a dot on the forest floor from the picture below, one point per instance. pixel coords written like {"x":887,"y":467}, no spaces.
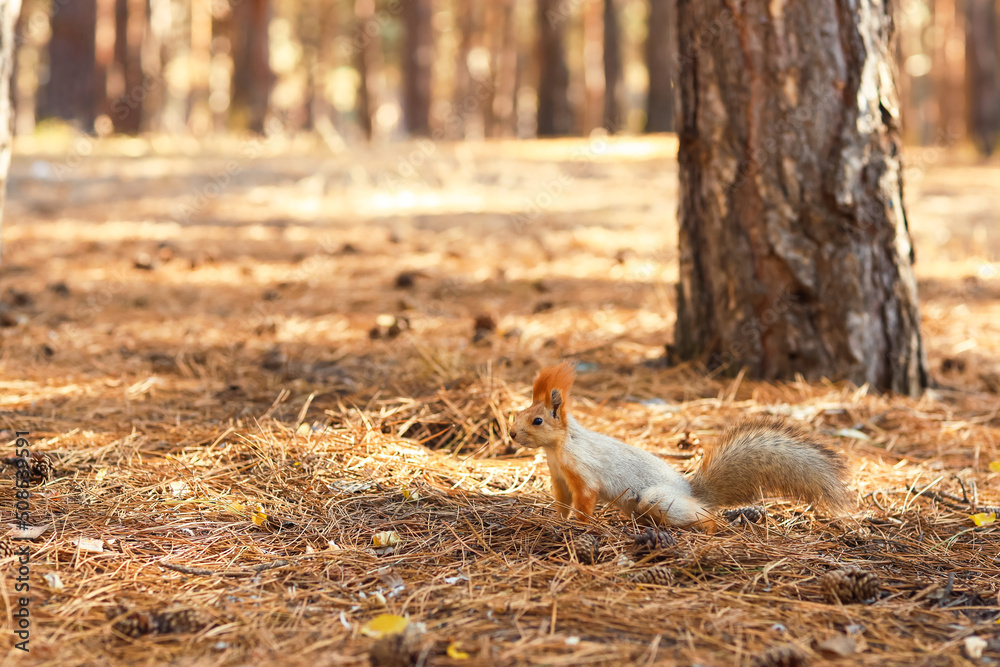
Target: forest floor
{"x":246,"y":361}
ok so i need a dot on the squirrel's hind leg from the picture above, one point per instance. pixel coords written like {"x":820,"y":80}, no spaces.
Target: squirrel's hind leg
{"x":663,"y":506}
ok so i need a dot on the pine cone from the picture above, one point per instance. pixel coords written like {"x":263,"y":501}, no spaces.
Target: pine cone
{"x":39,"y":467}
{"x":136,"y":623}
{"x":661,"y":576}
{"x":7,"y":547}
{"x":781,"y":656}
{"x":180,"y":621}
{"x":587,"y":548}
{"x":133,"y":623}
{"x":742,"y":516}
{"x":651,"y":540}
{"x":850,"y":584}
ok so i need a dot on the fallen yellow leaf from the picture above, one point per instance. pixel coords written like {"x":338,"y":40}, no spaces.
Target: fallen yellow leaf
{"x":387,"y":538}
{"x":455,"y":654}
{"x":995,"y":466}
{"x":259,"y":518}
{"x":384,"y":625}
{"x":982,"y":518}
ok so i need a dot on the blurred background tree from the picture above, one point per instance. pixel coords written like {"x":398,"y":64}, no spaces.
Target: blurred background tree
{"x":362,"y":69}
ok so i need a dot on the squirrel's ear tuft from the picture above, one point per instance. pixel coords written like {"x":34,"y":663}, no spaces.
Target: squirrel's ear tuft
{"x":558,"y":407}
{"x":553,"y":377}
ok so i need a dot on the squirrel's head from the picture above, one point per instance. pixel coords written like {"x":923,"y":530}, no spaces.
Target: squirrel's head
{"x":545,"y":422}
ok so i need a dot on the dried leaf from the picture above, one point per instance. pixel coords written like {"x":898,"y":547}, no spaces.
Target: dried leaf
{"x":982,"y":518}
{"x":25,"y":533}
{"x":386,"y":538}
{"x":995,"y":466}
{"x":974,"y":647}
{"x":455,"y":654}
{"x":259,"y":518}
{"x":179,"y":489}
{"x":839,"y":646}
{"x":852,"y":433}
{"x":54,"y":581}
{"x":390,"y":578}
{"x":89,"y":544}
{"x":384,"y":625}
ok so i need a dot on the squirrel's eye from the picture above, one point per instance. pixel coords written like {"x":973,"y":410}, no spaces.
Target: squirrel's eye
{"x":537,"y":422}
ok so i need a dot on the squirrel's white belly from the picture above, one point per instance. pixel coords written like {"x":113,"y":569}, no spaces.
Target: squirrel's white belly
{"x":619,"y":471}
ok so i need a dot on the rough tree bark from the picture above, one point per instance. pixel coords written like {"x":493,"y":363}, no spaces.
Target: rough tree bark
{"x":555,"y":117}
{"x":982,"y":58}
{"x":418,"y":65}
{"x":795,"y":254}
{"x":661,"y":47}
{"x":9,"y":11}
{"x":71,"y":91}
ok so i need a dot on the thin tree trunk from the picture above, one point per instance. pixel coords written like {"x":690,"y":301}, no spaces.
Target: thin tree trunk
{"x":367,"y":47}
{"x":592,"y":112}
{"x":946,"y":95}
{"x":71,"y":91}
{"x":455,"y":123}
{"x":982,"y":58}
{"x":24,"y":78}
{"x":157,"y":53}
{"x":130,"y":26}
{"x":613,"y":90}
{"x":502,"y":120}
{"x":795,"y":254}
{"x":661,"y":47}
{"x":9,"y":11}
{"x":418,"y":65}
{"x":555,"y":117}
{"x":200,"y":117}
{"x":252,"y":75}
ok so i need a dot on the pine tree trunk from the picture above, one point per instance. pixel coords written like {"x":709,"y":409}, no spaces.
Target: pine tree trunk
{"x":252,"y":75}
{"x":554,"y":114}
{"x":795,"y":254}
{"x":9,"y":11}
{"x":661,"y":47}
{"x":367,"y":48}
{"x":982,"y":58}
{"x":502,"y":120}
{"x":71,"y":91}
{"x":418,"y":65}
{"x":613,"y":91}
{"x":130,"y":25}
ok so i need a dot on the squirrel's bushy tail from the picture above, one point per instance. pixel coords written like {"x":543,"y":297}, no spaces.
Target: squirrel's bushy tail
{"x":767,"y":456}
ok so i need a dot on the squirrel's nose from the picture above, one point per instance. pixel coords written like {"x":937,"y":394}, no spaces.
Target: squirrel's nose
{"x":513,"y":435}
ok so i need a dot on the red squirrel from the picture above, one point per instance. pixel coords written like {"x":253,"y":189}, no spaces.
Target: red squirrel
{"x":757,"y":456}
